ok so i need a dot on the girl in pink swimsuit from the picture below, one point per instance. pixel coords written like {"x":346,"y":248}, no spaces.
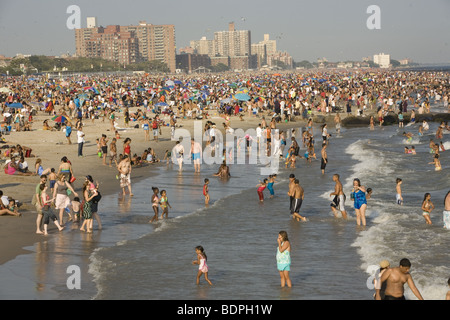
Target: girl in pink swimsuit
{"x":202,"y":266}
{"x":155,"y":204}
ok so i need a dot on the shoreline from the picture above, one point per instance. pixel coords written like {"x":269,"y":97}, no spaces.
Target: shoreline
{"x":17,"y":233}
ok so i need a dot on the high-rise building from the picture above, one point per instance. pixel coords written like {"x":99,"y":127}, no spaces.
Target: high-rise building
{"x":263,"y":50}
{"x":111,"y":43}
{"x":233,"y":42}
{"x":91,"y":22}
{"x":128,"y":44}
{"x":383,"y":60}
{"x":203,"y":46}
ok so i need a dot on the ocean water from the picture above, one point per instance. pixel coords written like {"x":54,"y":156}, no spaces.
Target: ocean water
{"x":131,"y":259}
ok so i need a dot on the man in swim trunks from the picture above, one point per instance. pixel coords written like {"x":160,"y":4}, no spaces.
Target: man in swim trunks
{"x":104,"y":147}
{"x":291,"y":192}
{"x":339,"y":198}
{"x":196,"y":151}
{"x":324,"y":160}
{"x":396,"y":279}
{"x":124,"y":168}
{"x":298,"y":195}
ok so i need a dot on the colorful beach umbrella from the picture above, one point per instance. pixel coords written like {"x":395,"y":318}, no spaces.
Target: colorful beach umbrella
{"x":59,"y":119}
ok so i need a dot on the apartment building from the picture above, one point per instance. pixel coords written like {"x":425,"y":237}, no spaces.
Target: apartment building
{"x":128,"y":44}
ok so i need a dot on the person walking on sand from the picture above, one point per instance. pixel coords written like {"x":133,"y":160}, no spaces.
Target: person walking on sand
{"x":446,"y":213}
{"x":80,"y":140}
{"x":202,"y":266}
{"x":104,"y":147}
{"x":395,"y":280}
{"x":338,"y":203}
{"x":124,"y":168}
{"x":427,"y":207}
{"x":113,"y":152}
{"x":284,"y":258}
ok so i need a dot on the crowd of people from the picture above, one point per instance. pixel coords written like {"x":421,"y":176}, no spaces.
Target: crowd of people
{"x":143,"y":102}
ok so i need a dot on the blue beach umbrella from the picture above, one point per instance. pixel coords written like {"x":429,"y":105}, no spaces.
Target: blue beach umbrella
{"x":15,"y":105}
{"x":242,"y":97}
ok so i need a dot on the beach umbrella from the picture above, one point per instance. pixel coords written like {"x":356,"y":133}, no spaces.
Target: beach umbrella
{"x":170,"y":83}
{"x":59,"y":119}
{"x":242,"y":90}
{"x":242,"y":97}
{"x":177,"y":82}
{"x":15,"y":105}
{"x":5,"y":90}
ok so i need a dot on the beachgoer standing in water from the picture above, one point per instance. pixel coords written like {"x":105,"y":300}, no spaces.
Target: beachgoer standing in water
{"x":196,"y":151}
{"x":360,"y":202}
{"x":284,"y":258}
{"x":261,"y":186}
{"x":446,"y":213}
{"x":202,"y":266}
{"x":398,"y":189}
{"x":206,"y":191}
{"x":155,"y":204}
{"x":299,"y":195}
{"x":124,"y":168}
{"x":338,"y":203}
{"x":396,"y":279}
{"x":427,"y":207}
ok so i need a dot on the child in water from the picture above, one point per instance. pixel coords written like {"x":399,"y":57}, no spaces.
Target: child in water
{"x":206,"y":191}
{"x":427,"y":207}
{"x":270,"y":184}
{"x":398,"y":189}
{"x":76,"y":209}
{"x":155,"y":202}
{"x":164,"y":203}
{"x":202,"y":266}
{"x":261,"y":186}
{"x":436,"y":162}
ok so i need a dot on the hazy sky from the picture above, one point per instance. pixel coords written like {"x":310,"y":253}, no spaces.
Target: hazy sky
{"x":415,"y":29}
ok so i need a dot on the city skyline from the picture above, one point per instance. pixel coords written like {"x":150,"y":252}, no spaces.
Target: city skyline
{"x":307,"y":31}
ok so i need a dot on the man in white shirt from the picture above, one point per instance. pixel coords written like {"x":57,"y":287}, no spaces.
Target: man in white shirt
{"x":80,"y":136}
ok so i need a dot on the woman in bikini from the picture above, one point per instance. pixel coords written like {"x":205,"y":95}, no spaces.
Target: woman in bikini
{"x":427,"y":207}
